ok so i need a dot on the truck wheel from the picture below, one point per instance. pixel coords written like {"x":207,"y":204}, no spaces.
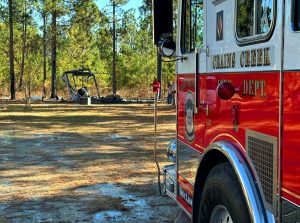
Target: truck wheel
{"x":222,"y":199}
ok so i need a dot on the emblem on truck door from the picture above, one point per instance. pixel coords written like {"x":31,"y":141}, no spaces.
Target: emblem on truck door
{"x":189,"y":116}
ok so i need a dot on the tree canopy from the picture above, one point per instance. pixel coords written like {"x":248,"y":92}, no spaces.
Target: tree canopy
{"x":83,"y":36}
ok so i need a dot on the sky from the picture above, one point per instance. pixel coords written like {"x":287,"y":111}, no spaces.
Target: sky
{"x":131,"y":4}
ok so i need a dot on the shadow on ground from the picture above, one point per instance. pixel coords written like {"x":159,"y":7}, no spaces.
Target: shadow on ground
{"x":69,"y":163}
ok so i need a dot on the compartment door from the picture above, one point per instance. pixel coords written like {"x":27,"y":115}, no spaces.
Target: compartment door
{"x":291,"y":105}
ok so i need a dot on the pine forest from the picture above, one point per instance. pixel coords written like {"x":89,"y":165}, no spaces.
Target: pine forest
{"x":41,"y":39}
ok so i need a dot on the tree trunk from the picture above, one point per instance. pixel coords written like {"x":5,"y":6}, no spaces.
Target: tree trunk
{"x":114,"y":85}
{"x":53,"y":50}
{"x":11,"y":52}
{"x":24,"y":39}
{"x":44,"y":52}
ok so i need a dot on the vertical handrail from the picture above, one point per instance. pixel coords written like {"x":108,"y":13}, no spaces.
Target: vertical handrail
{"x":197,"y":56}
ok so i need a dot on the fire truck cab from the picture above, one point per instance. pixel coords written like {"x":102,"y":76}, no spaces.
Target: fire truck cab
{"x":237,"y":151}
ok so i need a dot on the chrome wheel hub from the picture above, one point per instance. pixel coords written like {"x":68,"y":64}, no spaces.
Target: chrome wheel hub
{"x":220,"y":214}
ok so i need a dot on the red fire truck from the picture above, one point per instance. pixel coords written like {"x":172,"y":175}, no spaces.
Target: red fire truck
{"x":237,"y":151}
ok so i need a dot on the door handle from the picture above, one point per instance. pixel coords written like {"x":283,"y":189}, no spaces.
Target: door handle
{"x":205,"y":107}
{"x":198,"y":51}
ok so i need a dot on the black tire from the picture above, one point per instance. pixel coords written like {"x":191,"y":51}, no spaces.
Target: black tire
{"x":222,"y":189}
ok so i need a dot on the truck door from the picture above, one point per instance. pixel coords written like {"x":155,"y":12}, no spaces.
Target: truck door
{"x":190,"y":86}
{"x":191,"y":39}
{"x":291,"y":111}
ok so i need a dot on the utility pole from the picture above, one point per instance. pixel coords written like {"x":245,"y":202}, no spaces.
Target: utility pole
{"x":114,"y":86}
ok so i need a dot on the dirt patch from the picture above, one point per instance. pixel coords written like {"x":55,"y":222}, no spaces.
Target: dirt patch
{"x":76,"y":163}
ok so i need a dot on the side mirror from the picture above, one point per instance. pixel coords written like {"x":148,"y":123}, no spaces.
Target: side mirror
{"x":167,"y":48}
{"x":162,"y":21}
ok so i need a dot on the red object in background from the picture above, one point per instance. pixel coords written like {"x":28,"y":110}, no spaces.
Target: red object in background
{"x":156,"y":86}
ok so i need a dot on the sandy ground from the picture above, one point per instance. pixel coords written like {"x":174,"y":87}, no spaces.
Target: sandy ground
{"x":76,"y":163}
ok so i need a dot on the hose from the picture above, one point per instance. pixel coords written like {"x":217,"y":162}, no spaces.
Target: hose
{"x":155,"y":142}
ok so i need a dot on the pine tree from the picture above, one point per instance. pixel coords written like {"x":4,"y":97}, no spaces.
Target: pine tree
{"x":11,"y":51}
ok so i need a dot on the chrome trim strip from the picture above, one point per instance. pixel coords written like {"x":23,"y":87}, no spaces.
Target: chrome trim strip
{"x":281,"y":111}
{"x":290,"y":202}
{"x":251,"y":193}
{"x":229,"y":136}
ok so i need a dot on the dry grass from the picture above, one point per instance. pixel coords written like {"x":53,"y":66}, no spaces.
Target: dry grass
{"x":50,"y":151}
